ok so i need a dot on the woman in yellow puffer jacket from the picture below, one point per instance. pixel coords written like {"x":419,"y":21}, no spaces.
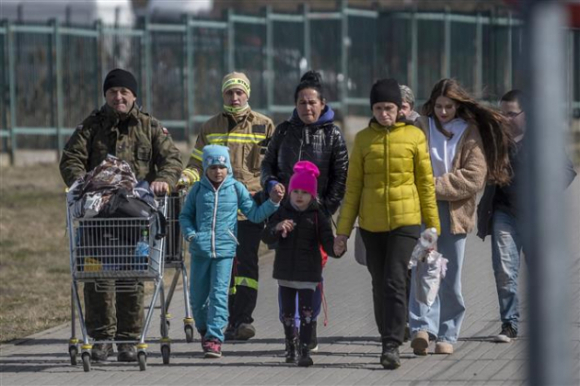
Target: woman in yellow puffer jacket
{"x":390,"y":188}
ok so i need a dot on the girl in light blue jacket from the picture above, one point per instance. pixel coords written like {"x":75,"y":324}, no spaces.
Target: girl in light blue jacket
{"x":209,"y":223}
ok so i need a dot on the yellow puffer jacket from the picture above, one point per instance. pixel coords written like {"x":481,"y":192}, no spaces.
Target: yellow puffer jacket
{"x":390,"y":181}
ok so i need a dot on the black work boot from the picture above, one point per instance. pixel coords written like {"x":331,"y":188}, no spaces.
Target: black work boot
{"x":126,"y":353}
{"x":390,"y":356}
{"x":291,"y":350}
{"x":101,"y":351}
{"x":313,"y":346}
{"x":305,"y":359}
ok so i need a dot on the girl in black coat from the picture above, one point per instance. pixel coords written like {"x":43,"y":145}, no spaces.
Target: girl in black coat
{"x":299,"y":229}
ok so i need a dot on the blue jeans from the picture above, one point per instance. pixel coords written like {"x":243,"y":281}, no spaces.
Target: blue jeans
{"x":506,"y":247}
{"x":443,"y":319}
{"x":209,"y":286}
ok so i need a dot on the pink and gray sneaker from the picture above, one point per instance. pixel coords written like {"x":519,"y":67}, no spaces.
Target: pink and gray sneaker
{"x":212,"y":348}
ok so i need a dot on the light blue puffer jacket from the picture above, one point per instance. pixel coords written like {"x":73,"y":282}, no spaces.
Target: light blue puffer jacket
{"x":209,"y":217}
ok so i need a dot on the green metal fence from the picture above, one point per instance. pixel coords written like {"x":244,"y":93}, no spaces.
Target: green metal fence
{"x":51,"y":75}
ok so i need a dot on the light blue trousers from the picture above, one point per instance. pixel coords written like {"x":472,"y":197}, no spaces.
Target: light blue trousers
{"x":210,"y":281}
{"x":443,"y":319}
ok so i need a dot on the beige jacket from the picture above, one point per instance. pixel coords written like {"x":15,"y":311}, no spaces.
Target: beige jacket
{"x":468,"y":176}
{"x":247,"y":142}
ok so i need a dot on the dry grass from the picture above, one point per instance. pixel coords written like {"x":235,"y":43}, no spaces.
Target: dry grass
{"x":34,"y":262}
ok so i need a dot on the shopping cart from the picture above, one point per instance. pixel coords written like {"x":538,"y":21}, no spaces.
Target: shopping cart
{"x":116,"y":254}
{"x":174,"y":259}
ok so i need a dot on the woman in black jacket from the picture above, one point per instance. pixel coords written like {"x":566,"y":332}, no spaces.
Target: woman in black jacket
{"x":309,"y":135}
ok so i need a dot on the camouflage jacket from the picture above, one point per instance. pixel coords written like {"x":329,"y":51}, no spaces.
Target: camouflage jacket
{"x":140,"y":140}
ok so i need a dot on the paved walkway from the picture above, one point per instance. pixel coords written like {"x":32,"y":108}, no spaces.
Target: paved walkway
{"x":349,"y":347}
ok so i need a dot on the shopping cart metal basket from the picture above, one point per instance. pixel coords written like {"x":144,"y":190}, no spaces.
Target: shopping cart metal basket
{"x":174,"y":259}
{"x":116,"y":254}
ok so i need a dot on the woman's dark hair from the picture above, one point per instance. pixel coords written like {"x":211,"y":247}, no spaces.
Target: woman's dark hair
{"x":313,"y":80}
{"x":493,"y":127}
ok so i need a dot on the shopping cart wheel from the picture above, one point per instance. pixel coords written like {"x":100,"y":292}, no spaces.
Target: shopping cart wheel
{"x":165,"y":352}
{"x":142,"y":359}
{"x":188,"y":333}
{"x":73,"y":351}
{"x":86,"y":361}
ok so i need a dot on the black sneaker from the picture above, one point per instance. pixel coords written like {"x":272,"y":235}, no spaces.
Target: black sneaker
{"x":101,"y":351}
{"x":390,"y":356}
{"x":245,"y":331}
{"x":126,"y":353}
{"x":508,"y":332}
{"x":230,"y":333}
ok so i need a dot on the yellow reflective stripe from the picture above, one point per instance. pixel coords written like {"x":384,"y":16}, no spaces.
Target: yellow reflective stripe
{"x":195,"y":153}
{"x":246,"y":282}
{"x":232,"y":290}
{"x":235,"y":138}
{"x":192,"y":174}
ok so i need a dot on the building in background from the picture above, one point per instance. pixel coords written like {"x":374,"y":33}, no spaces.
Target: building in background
{"x":69,"y":12}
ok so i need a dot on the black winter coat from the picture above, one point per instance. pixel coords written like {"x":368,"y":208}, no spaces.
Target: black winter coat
{"x":298,"y":255}
{"x":322,"y":145}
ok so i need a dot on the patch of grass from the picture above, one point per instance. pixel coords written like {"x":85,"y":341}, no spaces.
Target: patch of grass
{"x":35,"y":273}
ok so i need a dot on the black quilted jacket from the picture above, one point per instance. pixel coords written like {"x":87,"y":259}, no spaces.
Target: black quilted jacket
{"x":298,"y":255}
{"x":321,"y":144}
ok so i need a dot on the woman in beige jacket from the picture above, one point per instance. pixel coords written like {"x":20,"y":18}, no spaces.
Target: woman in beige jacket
{"x":468,"y":145}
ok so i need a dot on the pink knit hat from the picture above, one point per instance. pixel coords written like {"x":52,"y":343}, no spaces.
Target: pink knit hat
{"x":305,"y":177}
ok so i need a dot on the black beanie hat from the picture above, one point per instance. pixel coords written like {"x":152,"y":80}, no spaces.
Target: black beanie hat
{"x":120,"y":78}
{"x":386,"y":90}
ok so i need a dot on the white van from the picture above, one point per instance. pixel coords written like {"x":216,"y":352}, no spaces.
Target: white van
{"x":172,"y":10}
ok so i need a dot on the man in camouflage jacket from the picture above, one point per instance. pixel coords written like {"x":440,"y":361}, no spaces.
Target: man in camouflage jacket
{"x":120,"y":128}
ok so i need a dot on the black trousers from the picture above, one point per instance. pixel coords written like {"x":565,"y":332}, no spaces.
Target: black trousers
{"x":244,"y":283}
{"x":288,"y":303}
{"x":388,"y":255}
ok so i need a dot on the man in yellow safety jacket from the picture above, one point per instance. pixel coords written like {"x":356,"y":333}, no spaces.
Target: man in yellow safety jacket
{"x":246,"y":133}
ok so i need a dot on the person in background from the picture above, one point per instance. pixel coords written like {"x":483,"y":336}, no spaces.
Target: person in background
{"x":299,"y":228}
{"x":408,"y":106}
{"x":390,"y":188}
{"x":497,"y":215}
{"x":120,"y":128}
{"x":246,"y":133}
{"x":469,"y":145}
{"x":209,"y":223}
{"x":309,"y":135}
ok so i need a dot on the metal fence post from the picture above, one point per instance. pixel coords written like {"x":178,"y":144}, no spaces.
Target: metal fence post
{"x":414,"y":81}
{"x":231,"y":41}
{"x":447,"y":44}
{"x":57,"y":45}
{"x":551,"y":358}
{"x":12,"y":86}
{"x":479,"y":57}
{"x":190,"y":78}
{"x":345,"y":43}
{"x":147,"y":41}
{"x":269,"y":60}
{"x":307,"y":49}
{"x":510,"y":59}
{"x":99,"y":65}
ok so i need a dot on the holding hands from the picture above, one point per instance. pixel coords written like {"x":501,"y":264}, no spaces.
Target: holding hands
{"x":285,"y":227}
{"x":277,"y":193}
{"x":340,"y":244}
